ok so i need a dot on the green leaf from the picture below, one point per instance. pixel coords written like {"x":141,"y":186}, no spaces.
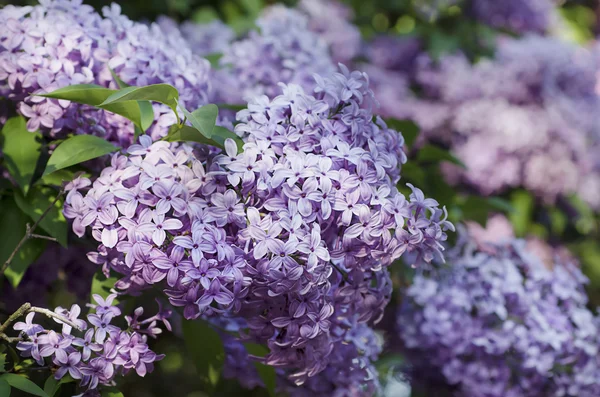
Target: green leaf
{"x":4,"y":388}
{"x":111,"y":392}
{"x":220,"y":134}
{"x":203,"y":118}
{"x":95,"y":95}
{"x":34,"y":205}
{"x":24,"y":384}
{"x":501,"y":204}
{"x":433,"y":153}
{"x":2,"y":362}
{"x":206,"y":348}
{"x":146,"y":110}
{"x":266,"y":372}
{"x":78,"y":149}
{"x":214,"y":60}
{"x":57,"y":178}
{"x":521,"y":217}
{"x":21,"y":150}
{"x":163,"y":93}
{"x":408,"y":128}
{"x":12,"y":230}
{"x":102,"y":285}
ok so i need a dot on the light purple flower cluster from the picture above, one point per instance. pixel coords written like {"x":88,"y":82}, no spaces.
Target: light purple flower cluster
{"x":520,"y":16}
{"x":203,"y":39}
{"x":282,"y":50}
{"x":102,"y":352}
{"x":292,"y":235}
{"x":501,"y":322}
{"x":64,"y":42}
{"x":331,"y":20}
{"x":529,"y":118}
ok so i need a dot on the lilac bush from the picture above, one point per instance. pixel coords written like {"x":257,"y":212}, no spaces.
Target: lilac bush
{"x":520,"y":16}
{"x":64,"y":42}
{"x":293,"y":235}
{"x":534,"y":109}
{"x":503,"y":322}
{"x":92,"y":352}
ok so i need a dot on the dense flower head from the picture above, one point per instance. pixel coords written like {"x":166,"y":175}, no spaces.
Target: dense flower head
{"x":534,"y":109}
{"x":283,"y":49}
{"x":292,"y":235}
{"x":331,"y":20}
{"x":502,"y":322}
{"x":64,"y":42}
{"x":95,"y":353}
{"x":202,"y":38}
{"x":520,"y":16}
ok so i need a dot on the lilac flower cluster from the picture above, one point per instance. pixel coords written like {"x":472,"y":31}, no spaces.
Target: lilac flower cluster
{"x":534,"y":109}
{"x":292,"y":235}
{"x":203,"y":39}
{"x":283,"y":49}
{"x":331,"y":20}
{"x":99,"y":355}
{"x":64,"y":42}
{"x":520,"y":16}
{"x":501,"y":322}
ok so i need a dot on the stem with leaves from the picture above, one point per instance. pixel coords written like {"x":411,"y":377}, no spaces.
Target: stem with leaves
{"x":29,"y":233}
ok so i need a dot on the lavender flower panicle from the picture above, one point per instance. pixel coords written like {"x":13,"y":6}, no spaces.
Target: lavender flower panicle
{"x":292,"y":236}
{"x":65,"y":42}
{"x":503,"y":322}
{"x":96,"y":357}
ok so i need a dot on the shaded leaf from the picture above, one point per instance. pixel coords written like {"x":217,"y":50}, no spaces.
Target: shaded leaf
{"x":78,"y":149}
{"x":435,"y":153}
{"x":266,"y":372}
{"x":111,"y":392}
{"x":2,"y":362}
{"x":220,"y":134}
{"x":206,"y":348}
{"x":146,"y":110}
{"x":34,"y":205}
{"x":102,"y":285}
{"x":4,"y":388}
{"x":408,"y":128}
{"x":12,"y":228}
{"x":21,"y":150}
{"x":24,"y":384}
{"x":521,"y":217}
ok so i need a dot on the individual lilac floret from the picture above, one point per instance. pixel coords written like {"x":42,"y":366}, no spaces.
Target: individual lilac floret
{"x":292,"y":235}
{"x":63,"y":42}
{"x":94,"y":354}
{"x":282,"y":50}
{"x":502,"y":322}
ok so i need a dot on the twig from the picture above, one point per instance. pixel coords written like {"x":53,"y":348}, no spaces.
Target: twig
{"x":27,"y":308}
{"x":41,"y":236}
{"x":29,"y":232}
{"x":51,"y":314}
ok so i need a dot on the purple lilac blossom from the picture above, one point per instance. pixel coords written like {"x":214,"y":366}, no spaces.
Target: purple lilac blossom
{"x":330,"y":19}
{"x":519,"y":16}
{"x":64,"y":42}
{"x":534,"y":110}
{"x":282,"y":50}
{"x":203,"y":38}
{"x":502,"y":322}
{"x":98,"y":352}
{"x":293,"y":235}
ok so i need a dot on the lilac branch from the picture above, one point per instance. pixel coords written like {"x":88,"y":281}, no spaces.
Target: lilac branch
{"x":29,"y":233}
